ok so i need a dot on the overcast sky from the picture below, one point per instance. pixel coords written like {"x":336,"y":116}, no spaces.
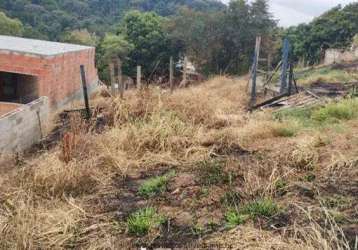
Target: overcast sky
{"x":293,"y":12}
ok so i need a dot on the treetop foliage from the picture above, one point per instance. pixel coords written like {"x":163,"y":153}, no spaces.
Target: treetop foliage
{"x":334,"y":29}
{"x":49,"y":19}
{"x":9,"y":26}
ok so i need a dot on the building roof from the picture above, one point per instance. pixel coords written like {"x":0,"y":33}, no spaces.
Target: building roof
{"x":37,"y":47}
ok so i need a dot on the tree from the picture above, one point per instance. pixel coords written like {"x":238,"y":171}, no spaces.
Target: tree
{"x":151,"y":46}
{"x":223,"y":42}
{"x":82,"y":37}
{"x":111,"y":47}
{"x":10,"y":27}
{"x":334,"y":29}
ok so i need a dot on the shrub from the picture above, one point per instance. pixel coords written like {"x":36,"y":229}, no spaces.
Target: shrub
{"x":144,"y":220}
{"x":155,"y":185}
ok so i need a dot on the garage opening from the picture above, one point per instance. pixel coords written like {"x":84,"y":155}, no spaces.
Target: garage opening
{"x":18,"y":88}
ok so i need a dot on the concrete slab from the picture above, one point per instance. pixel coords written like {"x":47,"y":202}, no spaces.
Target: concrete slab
{"x":37,"y":47}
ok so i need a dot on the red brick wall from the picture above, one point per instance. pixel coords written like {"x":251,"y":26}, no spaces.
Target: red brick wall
{"x":58,"y":76}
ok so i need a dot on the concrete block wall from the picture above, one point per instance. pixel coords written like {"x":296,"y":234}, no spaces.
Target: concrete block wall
{"x":20,"y":129}
{"x":339,"y":56}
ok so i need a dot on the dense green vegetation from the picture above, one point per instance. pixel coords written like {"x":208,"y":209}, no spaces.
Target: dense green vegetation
{"x":49,"y":19}
{"x":334,"y":29}
{"x":10,"y":27}
{"x":216,"y":37}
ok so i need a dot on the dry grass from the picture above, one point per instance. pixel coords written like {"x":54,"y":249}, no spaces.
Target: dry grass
{"x":53,"y":201}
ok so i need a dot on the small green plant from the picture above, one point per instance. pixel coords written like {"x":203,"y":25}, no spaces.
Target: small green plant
{"x":233,"y":218}
{"x":212,"y":172}
{"x":144,"y":220}
{"x":155,"y":185}
{"x":197,"y":230}
{"x":262,"y":207}
{"x":309,"y":177}
{"x":281,"y":186}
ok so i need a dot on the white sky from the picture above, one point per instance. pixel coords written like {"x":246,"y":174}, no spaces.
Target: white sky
{"x":293,"y":12}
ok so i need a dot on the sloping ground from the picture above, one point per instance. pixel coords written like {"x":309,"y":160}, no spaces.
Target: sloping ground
{"x":189,"y":169}
{"x":338,"y":73}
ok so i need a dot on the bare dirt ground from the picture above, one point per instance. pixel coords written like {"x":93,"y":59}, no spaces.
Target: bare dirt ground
{"x":216,"y":176}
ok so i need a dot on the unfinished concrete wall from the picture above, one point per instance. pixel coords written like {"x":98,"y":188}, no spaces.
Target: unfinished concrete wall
{"x":339,"y":56}
{"x":20,"y":129}
{"x":7,"y":107}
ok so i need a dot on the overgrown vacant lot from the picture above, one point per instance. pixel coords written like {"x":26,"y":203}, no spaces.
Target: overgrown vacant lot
{"x":191,"y":168}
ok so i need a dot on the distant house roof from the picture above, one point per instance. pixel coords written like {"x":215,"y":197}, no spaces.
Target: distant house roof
{"x":37,"y":47}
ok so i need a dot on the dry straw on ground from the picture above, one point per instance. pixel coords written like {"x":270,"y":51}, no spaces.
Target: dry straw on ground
{"x":55,"y":200}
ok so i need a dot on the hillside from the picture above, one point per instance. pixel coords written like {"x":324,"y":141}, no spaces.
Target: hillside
{"x":48,"y":19}
{"x":175,"y":170}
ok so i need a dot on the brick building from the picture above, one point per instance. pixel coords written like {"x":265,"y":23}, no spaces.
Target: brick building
{"x":30,"y":69}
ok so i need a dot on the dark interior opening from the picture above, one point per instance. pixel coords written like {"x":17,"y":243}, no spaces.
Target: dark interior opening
{"x":18,"y":88}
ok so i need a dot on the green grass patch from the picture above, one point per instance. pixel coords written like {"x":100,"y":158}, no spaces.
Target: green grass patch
{"x":155,"y":185}
{"x":262,"y":207}
{"x":344,"y":110}
{"x":281,"y":187}
{"x":325,"y":74}
{"x":233,"y":218}
{"x":144,"y":220}
{"x":315,"y":117}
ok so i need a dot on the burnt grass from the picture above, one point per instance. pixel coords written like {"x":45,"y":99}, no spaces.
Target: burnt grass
{"x":203,"y":193}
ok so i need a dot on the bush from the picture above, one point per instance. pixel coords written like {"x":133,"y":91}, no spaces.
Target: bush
{"x":144,"y":220}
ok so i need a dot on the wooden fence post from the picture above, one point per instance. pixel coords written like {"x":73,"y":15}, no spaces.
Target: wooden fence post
{"x":85,"y":94}
{"x":120,"y":78}
{"x":171,"y":74}
{"x":113,"y":78}
{"x":254,"y":71}
{"x":139,"y":77}
{"x":185,"y":67}
{"x":285,"y":54}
